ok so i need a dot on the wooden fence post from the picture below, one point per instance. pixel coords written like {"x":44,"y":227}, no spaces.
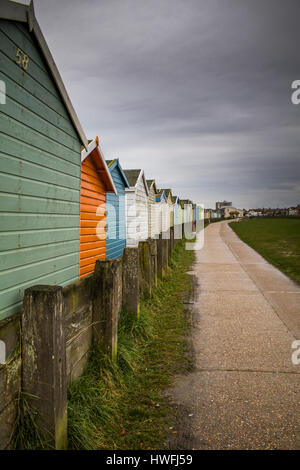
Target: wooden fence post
{"x":44,"y":362}
{"x":153,"y":258}
{"x":145,"y":269}
{"x":131,"y":280}
{"x":107,"y":302}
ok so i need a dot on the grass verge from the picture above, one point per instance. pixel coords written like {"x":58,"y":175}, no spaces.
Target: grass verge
{"x":276,"y":239}
{"x":122,"y":405}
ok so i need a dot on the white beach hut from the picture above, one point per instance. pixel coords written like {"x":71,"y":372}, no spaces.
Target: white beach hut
{"x":136,"y":207}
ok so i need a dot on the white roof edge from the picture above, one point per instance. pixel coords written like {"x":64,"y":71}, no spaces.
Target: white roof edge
{"x":142,"y":175}
{"x":90,"y":148}
{"x":14,"y":11}
{"x":107,"y":169}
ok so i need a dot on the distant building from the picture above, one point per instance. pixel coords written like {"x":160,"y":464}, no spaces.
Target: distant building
{"x":294,"y":210}
{"x":268,"y":212}
{"x":231,"y":212}
{"x":251,"y":213}
{"x":281,"y":212}
{"x":219,"y":204}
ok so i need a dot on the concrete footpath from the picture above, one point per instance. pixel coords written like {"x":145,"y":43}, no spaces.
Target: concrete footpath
{"x":244,"y":392}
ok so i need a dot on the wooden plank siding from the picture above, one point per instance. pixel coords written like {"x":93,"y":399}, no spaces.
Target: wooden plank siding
{"x":153,"y":212}
{"x":169,"y":215}
{"x":136,"y":207}
{"x":39,"y":175}
{"x":115,"y":217}
{"x":141,"y":210}
{"x":92,"y":217}
{"x":177,"y":211}
{"x":163,"y":211}
{"x":131,"y":234}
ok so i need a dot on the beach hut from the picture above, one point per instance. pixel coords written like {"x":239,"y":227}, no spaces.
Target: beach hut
{"x":199,"y":213}
{"x":162,"y":207}
{"x":207,"y":213}
{"x":115,"y":212}
{"x":96,"y":182}
{"x":194,"y":210}
{"x":169,"y":212}
{"x":176,"y":210}
{"x":184,"y":208}
{"x":194,"y":207}
{"x":136,"y":197}
{"x":40,"y":140}
{"x":177,"y":214}
{"x":153,"y":210}
{"x":186,"y":205}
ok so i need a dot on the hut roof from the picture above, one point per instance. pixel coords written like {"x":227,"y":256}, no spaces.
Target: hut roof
{"x":116,"y":163}
{"x":24,"y":13}
{"x":94,"y":151}
{"x":132,"y":176}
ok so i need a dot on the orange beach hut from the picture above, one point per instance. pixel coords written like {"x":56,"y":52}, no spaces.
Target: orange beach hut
{"x":96,"y":181}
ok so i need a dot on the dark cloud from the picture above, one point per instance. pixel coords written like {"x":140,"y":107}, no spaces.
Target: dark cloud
{"x":196,"y":92}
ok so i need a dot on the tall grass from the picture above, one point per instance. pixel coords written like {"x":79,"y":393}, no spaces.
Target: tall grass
{"x":122,"y":405}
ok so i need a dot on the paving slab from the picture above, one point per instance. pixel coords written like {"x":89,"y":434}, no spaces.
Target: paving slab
{"x":241,"y":410}
{"x":286,"y":304}
{"x":282,"y":293}
{"x":244,"y":392}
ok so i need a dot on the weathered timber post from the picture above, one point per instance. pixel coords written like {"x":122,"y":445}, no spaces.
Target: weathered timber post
{"x":177,"y":233}
{"x":44,"y":362}
{"x":188,"y":230}
{"x":165,"y":249}
{"x":153,"y":259}
{"x":107,"y":301}
{"x":171,"y":241}
{"x":9,"y":378}
{"x":160,"y":257}
{"x":145,"y":269}
{"x":131,"y":280}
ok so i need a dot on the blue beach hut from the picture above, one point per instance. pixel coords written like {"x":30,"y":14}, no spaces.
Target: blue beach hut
{"x":115,"y":212}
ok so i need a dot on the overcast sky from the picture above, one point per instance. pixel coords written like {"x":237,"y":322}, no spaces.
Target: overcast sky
{"x":196,"y":92}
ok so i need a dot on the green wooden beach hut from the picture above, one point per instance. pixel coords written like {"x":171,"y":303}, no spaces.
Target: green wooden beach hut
{"x":40,"y":145}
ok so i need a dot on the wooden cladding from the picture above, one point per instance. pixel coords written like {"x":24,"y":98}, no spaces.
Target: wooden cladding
{"x":92,"y":218}
{"x":39,"y":174}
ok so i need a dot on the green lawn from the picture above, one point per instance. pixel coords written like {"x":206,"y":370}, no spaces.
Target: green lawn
{"x":276,"y":239}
